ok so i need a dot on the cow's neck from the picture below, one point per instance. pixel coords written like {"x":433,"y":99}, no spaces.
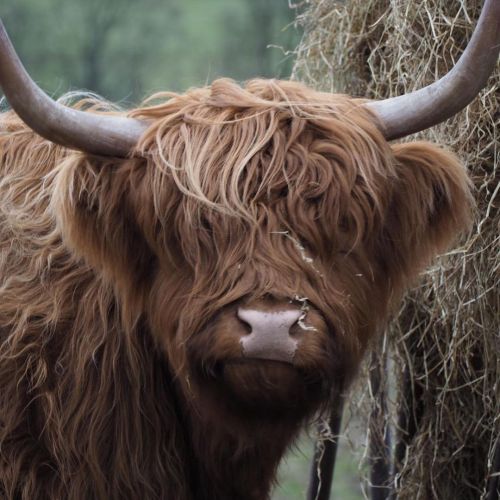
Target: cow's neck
{"x":235,"y":458}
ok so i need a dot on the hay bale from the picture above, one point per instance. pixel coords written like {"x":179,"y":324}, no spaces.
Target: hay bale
{"x":445,"y":341}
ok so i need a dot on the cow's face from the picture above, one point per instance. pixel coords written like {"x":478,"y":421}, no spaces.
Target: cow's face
{"x":264,"y":238}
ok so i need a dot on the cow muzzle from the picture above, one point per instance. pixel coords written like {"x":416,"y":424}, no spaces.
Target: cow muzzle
{"x":263,"y":356}
{"x":271,"y":334}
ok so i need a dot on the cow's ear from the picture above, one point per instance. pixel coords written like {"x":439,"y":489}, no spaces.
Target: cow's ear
{"x":431,"y":205}
{"x":94,"y":212}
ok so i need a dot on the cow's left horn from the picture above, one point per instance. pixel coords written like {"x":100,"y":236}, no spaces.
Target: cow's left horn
{"x":410,"y":113}
{"x":94,"y":133}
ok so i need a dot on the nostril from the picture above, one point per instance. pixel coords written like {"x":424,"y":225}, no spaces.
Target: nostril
{"x":294,"y":329}
{"x":244,"y":322}
{"x":246,"y":326}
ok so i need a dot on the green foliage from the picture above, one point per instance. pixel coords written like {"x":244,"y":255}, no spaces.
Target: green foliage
{"x":295,"y":469}
{"x":127,"y":49}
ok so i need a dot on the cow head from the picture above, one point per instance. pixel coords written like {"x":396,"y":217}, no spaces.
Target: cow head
{"x":263,"y":232}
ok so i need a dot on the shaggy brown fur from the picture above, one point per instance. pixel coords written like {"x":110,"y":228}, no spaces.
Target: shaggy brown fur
{"x":120,"y":377}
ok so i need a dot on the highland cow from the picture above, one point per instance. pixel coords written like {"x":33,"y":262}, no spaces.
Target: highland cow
{"x":170,"y":320}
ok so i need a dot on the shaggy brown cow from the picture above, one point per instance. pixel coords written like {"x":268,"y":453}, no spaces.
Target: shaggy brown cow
{"x":170,"y":320}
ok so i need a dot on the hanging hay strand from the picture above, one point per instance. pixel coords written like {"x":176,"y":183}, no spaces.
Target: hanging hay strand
{"x":445,"y":341}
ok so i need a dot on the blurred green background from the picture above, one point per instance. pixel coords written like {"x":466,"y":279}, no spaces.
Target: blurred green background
{"x":124,"y":50}
{"x":294,"y":472}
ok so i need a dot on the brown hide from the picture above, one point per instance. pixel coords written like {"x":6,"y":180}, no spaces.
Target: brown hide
{"x":121,"y":369}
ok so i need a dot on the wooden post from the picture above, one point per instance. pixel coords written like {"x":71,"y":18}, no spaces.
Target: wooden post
{"x":380,"y":454}
{"x":494,"y":480}
{"x":323,"y":465}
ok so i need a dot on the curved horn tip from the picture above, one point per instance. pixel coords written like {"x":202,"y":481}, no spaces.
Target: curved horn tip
{"x":407,"y":114}
{"x":107,"y":135}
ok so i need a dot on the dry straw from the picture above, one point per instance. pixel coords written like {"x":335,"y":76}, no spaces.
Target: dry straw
{"x":437,"y":369}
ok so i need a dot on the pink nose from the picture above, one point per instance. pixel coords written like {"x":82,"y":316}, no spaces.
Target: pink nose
{"x":270,"y":334}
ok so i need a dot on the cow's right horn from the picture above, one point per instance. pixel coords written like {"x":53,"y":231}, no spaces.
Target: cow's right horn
{"x":100,"y":134}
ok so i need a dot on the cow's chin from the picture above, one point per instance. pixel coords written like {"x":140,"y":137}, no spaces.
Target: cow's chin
{"x":261,"y":385}
{"x":256,"y":388}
